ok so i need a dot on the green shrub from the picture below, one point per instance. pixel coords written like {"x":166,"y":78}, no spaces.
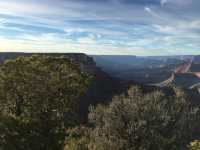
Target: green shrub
{"x":77,"y":138}
{"x":195,"y":145}
{"x":39,"y":99}
{"x":135,"y":121}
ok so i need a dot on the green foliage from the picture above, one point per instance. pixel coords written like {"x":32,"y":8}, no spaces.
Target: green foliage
{"x":39,"y":103}
{"x":78,"y":138}
{"x":143,"y":122}
{"x":195,"y":145}
{"x":23,"y":134}
{"x":39,"y":98}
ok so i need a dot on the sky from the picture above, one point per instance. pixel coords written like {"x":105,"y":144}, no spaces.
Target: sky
{"x":101,"y":27}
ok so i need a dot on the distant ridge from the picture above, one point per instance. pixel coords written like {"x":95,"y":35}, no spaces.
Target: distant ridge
{"x":183,"y":71}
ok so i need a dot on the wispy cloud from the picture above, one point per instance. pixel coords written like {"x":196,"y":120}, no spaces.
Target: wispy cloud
{"x":153,"y":13}
{"x":163,"y":2}
{"x":141,"y":27}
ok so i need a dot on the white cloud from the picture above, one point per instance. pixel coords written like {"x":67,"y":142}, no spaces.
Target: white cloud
{"x":90,"y":39}
{"x":47,"y":43}
{"x":176,"y":2}
{"x":192,"y":25}
{"x":54,"y":43}
{"x":163,"y":2}
{"x":148,"y":9}
{"x":181,"y":28}
{"x":2,"y":21}
{"x":108,"y":26}
{"x":153,"y":13}
{"x":165,"y":29}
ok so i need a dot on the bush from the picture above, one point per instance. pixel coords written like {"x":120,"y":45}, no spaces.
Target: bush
{"x":143,"y":122}
{"x":195,"y":145}
{"x":77,"y":138}
{"x":39,"y":98}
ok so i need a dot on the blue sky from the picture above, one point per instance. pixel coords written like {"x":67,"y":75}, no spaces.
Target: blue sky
{"x":109,"y":27}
